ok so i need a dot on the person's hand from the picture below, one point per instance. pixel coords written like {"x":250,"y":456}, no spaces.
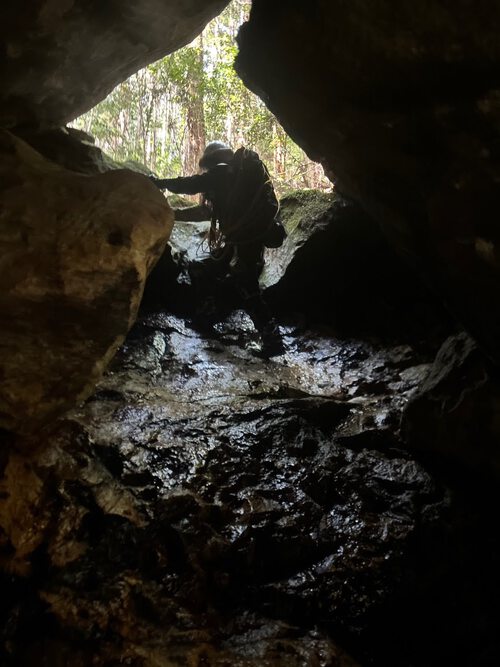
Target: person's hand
{"x":155,"y":181}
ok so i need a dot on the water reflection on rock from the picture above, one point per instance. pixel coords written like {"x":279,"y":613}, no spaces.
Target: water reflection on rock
{"x":209,"y":507}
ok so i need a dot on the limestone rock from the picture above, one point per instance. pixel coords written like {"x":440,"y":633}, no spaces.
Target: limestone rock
{"x":206,"y":507}
{"x":201,"y":502}
{"x":337,"y":265}
{"x":73,"y":149}
{"x":400,"y":102}
{"x":453,"y":419}
{"x":75,"y":252}
{"x":169,"y":284}
{"x":304,"y":214}
{"x":61,"y":57}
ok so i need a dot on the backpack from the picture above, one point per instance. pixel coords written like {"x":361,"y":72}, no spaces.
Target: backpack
{"x":251,"y":211}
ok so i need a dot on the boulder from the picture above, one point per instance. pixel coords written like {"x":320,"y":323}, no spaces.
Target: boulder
{"x":337,"y":265}
{"x":73,"y":149}
{"x":75,"y":252}
{"x":400,"y":102}
{"x":61,"y":57}
{"x":453,"y":419}
{"x":169,"y":285}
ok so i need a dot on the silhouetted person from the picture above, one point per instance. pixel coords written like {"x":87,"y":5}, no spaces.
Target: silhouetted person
{"x":237,"y":188}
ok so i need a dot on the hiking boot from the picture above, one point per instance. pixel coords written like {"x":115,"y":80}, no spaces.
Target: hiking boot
{"x":272,"y":342}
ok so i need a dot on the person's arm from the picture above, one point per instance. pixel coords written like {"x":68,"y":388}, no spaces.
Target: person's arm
{"x":199,"y":213}
{"x":184,"y":185}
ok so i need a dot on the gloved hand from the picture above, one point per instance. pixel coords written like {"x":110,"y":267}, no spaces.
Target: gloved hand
{"x":156,"y":181}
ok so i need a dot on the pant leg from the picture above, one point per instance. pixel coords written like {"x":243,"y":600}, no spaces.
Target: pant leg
{"x":245,"y":268}
{"x":205,"y":278}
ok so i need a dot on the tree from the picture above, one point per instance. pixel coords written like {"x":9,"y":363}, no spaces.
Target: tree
{"x":163,"y":115}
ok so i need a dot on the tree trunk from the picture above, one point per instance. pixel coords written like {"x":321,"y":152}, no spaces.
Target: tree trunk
{"x":195,"y":113}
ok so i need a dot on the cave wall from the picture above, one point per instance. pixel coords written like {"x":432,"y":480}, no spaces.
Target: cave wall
{"x":59,"y":58}
{"x":400,"y":101}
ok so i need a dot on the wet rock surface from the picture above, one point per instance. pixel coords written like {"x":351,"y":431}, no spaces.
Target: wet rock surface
{"x":453,"y":418}
{"x":206,"y":507}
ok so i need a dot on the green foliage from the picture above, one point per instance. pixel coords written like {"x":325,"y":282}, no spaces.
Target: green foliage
{"x":149,"y":117}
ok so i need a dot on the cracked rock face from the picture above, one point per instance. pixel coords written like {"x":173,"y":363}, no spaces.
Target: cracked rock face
{"x":59,"y":58}
{"x":75,"y":253}
{"x":206,"y":506}
{"x":400,"y":101}
{"x":206,"y":494}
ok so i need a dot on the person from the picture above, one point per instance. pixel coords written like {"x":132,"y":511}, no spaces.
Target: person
{"x":237,"y":189}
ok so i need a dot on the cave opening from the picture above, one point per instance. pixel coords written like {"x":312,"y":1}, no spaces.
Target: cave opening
{"x":168,"y":494}
{"x":161,"y":118}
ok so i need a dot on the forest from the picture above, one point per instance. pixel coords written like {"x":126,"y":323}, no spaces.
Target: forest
{"x":163,"y":115}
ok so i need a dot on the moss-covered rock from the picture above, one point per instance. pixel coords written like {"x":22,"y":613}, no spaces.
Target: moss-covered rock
{"x":300,"y":206}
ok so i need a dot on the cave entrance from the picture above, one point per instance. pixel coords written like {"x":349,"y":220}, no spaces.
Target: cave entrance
{"x":162,"y":116}
{"x":206,"y":505}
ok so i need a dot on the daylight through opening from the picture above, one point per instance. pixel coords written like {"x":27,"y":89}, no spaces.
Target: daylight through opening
{"x":162,"y":116}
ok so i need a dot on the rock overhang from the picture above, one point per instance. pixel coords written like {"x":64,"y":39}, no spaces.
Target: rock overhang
{"x":59,"y":58}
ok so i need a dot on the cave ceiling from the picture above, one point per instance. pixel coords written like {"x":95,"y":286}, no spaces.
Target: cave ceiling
{"x":59,"y":58}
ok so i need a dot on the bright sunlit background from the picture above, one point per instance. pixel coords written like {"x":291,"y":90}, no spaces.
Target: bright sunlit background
{"x":163,"y":116}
